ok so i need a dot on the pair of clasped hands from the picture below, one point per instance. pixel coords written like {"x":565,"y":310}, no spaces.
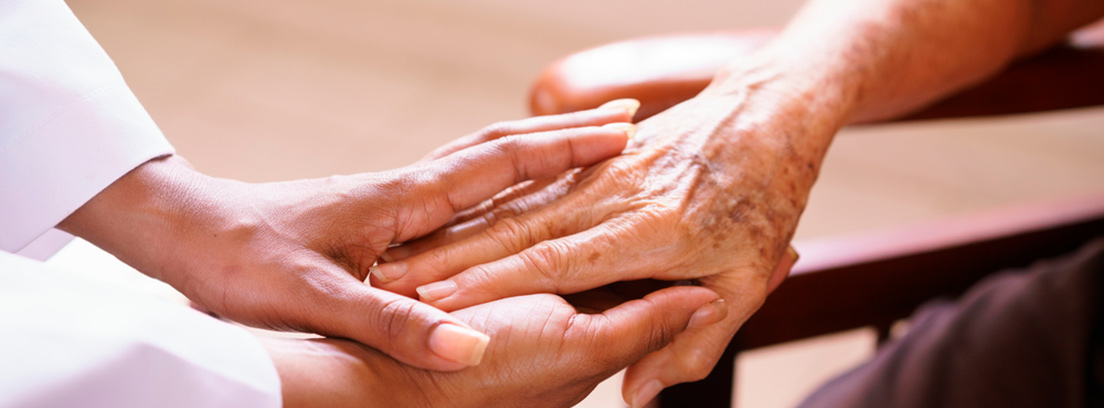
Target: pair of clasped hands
{"x":517,"y":266}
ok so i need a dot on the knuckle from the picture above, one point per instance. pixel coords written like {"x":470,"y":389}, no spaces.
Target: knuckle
{"x":622,"y":170}
{"x":391,"y":319}
{"x":402,"y":182}
{"x":437,"y":259}
{"x":695,"y":366}
{"x":548,"y":260}
{"x":512,"y":148}
{"x":490,"y":218}
{"x":478,"y":278}
{"x":496,"y":130}
{"x":659,"y":337}
{"x":511,"y":234}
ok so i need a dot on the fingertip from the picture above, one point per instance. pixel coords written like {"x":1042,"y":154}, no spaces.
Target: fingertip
{"x":711,"y":313}
{"x":640,"y":374}
{"x":436,"y":291}
{"x":458,"y":344}
{"x":628,"y":129}
{"x":600,"y":143}
{"x":645,"y":394}
{"x":684,"y":296}
{"x":388,"y":272}
{"x":628,"y":105}
{"x":783,"y":270}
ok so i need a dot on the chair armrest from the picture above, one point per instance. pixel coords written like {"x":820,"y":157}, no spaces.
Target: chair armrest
{"x":663,"y":71}
{"x":877,"y":278}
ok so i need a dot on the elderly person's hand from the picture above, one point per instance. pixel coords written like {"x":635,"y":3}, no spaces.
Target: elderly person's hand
{"x":544,"y":354}
{"x":294,"y":255}
{"x":710,"y":191}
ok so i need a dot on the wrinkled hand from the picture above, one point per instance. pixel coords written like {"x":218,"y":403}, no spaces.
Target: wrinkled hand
{"x":294,"y":255}
{"x":703,"y":194}
{"x":543,"y":354}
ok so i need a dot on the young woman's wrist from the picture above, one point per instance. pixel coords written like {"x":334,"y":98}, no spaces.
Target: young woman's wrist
{"x":339,"y":373}
{"x":136,"y":217}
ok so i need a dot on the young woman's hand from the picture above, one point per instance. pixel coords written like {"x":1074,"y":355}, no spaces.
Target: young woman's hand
{"x":294,"y":255}
{"x":544,"y":353}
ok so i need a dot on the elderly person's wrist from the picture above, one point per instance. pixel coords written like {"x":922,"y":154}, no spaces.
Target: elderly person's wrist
{"x":826,"y":89}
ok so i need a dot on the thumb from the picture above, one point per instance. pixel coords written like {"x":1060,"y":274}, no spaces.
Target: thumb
{"x":645,"y":325}
{"x":407,"y":330}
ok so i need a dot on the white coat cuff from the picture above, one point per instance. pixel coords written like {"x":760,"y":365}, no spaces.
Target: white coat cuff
{"x":70,"y":158}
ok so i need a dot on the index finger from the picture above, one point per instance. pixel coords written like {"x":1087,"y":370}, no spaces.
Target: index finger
{"x":470,"y":176}
{"x":620,"y":110}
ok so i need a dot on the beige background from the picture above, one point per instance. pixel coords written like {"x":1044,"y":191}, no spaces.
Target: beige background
{"x":286,"y":89}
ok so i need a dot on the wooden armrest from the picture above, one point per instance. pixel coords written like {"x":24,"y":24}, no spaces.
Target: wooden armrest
{"x":877,"y":278}
{"x":663,"y":71}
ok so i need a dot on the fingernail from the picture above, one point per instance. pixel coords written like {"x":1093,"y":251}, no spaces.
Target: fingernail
{"x":646,"y":393}
{"x":458,"y":344}
{"x":436,"y":290}
{"x":628,"y":128}
{"x":628,"y":104}
{"x":793,"y":253}
{"x":386,"y":257}
{"x":388,"y":272}
{"x":711,"y":313}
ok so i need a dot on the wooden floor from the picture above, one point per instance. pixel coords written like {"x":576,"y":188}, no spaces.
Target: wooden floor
{"x":287,"y":89}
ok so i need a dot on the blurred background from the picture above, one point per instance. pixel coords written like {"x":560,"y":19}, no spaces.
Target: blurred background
{"x":286,"y":89}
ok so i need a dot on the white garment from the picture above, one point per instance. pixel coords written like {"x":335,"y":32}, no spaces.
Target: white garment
{"x":69,"y":127}
{"x":70,"y":341}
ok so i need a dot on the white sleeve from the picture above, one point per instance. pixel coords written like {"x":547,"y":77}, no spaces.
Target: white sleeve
{"x":70,"y":341}
{"x":69,"y":125}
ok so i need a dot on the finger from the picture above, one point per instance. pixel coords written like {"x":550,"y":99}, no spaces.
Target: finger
{"x":641,"y":326}
{"x":468,"y":222}
{"x":693,"y":353}
{"x":469,"y":177}
{"x":506,"y":237}
{"x":592,"y":258}
{"x":560,"y":182}
{"x":621,"y":110}
{"x":689,"y":357}
{"x":783,"y":270}
{"x":520,"y":199}
{"x":407,"y":330}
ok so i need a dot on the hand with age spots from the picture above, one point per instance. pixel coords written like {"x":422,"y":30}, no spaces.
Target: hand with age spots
{"x":701,"y":194}
{"x":294,"y":255}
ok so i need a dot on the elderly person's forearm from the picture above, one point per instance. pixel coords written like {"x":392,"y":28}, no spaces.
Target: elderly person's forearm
{"x":877,"y":59}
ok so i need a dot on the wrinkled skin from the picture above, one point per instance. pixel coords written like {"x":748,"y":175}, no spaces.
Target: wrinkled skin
{"x":544,"y":353}
{"x":293,"y":255}
{"x":700,"y":195}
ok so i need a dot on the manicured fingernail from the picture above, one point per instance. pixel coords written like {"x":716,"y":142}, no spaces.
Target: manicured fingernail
{"x":646,"y":393}
{"x":793,"y":253}
{"x":711,"y":313}
{"x":436,"y":290}
{"x":386,"y":257}
{"x":388,"y":272}
{"x":458,"y":344}
{"x":628,"y":128}
{"x":628,"y":104}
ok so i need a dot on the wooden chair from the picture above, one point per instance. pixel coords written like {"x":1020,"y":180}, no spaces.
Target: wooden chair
{"x":884,"y":275}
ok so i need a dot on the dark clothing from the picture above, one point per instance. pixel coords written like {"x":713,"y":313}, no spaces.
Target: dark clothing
{"x":1030,"y":338}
